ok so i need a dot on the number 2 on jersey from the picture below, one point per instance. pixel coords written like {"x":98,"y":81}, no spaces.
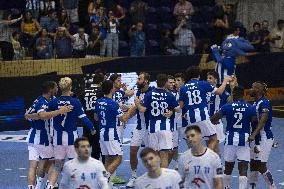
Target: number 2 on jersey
{"x":238,"y":124}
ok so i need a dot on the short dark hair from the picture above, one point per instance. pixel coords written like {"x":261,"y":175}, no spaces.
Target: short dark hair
{"x":146,"y":151}
{"x":114,"y":77}
{"x":47,"y":86}
{"x":107,"y":86}
{"x":192,"y":72}
{"x":238,"y":92}
{"x":256,"y":24}
{"x":147,"y":76}
{"x":162,"y":79}
{"x":264,"y":85}
{"x":170,"y":77}
{"x":15,"y":33}
{"x":193,"y":127}
{"x":78,"y":140}
{"x":214,"y":74}
{"x":181,"y":75}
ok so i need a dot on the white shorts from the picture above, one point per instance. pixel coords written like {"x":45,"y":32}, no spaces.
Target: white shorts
{"x":62,"y":151}
{"x":264,"y":148}
{"x":233,"y":153}
{"x":139,"y":137}
{"x":206,"y":127}
{"x":38,"y":152}
{"x":175,"y":138}
{"x":161,"y":140}
{"x":220,"y":132}
{"x":111,"y":148}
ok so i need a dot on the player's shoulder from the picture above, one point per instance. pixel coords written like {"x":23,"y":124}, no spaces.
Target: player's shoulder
{"x":95,"y":162}
{"x":141,"y":179}
{"x":185,"y":155}
{"x":213,"y":155}
{"x":70,"y":163}
{"x":170,"y":172}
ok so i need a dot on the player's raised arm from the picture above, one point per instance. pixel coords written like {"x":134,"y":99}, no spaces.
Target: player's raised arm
{"x":221,"y":89}
{"x":139,"y":106}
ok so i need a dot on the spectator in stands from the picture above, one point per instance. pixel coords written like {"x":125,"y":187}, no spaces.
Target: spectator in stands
{"x":44,"y":49}
{"x":137,"y":40}
{"x":50,"y":22}
{"x":80,"y":44}
{"x":183,"y":10}
{"x":98,"y":16}
{"x":71,"y":6}
{"x":96,"y":42}
{"x":231,"y":15}
{"x":138,"y":11}
{"x":112,"y":36}
{"x":220,"y":23}
{"x":265,"y":35}
{"x":117,"y":10}
{"x":47,"y":5}
{"x":94,"y":5}
{"x":63,"y":19}
{"x":184,"y":39}
{"x":29,"y":28}
{"x":255,"y":37}
{"x":277,"y":37}
{"x":6,"y":46}
{"x":63,"y":43}
{"x":166,"y":43}
{"x":19,"y":51}
{"x":34,"y":7}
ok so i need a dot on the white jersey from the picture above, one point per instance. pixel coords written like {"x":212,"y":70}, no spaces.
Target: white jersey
{"x":169,"y":179}
{"x":90,"y":174}
{"x":198,"y":172}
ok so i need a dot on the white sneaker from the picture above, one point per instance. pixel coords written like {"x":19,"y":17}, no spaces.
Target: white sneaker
{"x":130,"y":183}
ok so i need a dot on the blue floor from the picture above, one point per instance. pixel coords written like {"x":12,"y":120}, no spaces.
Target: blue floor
{"x":14,"y":160}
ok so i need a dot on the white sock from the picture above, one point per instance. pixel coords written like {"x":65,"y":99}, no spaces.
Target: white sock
{"x":243,"y":182}
{"x":227,"y":181}
{"x":269,"y":179}
{"x":31,"y":187}
{"x":39,"y":182}
{"x":108,"y":175}
{"x":253,"y":179}
{"x":134,"y":173}
{"x":49,"y":186}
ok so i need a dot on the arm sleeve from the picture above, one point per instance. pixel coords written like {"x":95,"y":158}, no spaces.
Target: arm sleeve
{"x":218,"y":169}
{"x":102,"y":177}
{"x":65,"y":178}
{"x":208,"y":87}
{"x":217,"y":56}
{"x":223,"y":109}
{"x":174,"y":104}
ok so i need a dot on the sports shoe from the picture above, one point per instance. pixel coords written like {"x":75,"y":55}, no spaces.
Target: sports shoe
{"x":130,"y":183}
{"x":117,"y":180}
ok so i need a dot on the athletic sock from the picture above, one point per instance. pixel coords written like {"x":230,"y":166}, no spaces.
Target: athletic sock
{"x":134,"y":173}
{"x":243,"y":181}
{"x":31,"y":187}
{"x":49,"y":186}
{"x":253,"y":179}
{"x":269,"y":179}
{"x":39,"y":182}
{"x":227,"y":181}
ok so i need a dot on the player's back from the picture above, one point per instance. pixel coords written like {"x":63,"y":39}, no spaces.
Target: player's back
{"x":193,"y":94}
{"x":239,"y":115}
{"x":158,"y":102}
{"x":66,"y":122}
{"x":215,"y":102}
{"x":168,"y":179}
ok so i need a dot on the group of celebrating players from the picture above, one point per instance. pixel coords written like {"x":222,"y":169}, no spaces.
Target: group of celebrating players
{"x":180,"y":108}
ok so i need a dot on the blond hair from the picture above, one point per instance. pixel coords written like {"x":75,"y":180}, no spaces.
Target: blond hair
{"x":65,"y":84}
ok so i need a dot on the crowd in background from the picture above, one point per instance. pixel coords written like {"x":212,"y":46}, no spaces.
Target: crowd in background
{"x":75,"y":28}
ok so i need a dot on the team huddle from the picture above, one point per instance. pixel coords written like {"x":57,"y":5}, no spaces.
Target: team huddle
{"x":181,"y":108}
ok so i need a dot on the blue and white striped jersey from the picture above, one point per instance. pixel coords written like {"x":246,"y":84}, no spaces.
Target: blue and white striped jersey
{"x":263,"y":105}
{"x":215,"y":102}
{"x":38,"y":133}
{"x":239,"y":116}
{"x":142,"y":118}
{"x":118,"y":97}
{"x":65,"y":127}
{"x":108,"y":112}
{"x":193,"y":95}
{"x":158,"y":102}
{"x":223,"y":71}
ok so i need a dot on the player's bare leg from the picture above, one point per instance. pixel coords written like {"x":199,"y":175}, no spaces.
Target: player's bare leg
{"x":174,"y":156}
{"x":229,"y":166}
{"x":32,"y":173}
{"x":164,"y":155}
{"x":212,"y":142}
{"x":41,"y":170}
{"x":112,"y":162}
{"x":216,"y":148}
{"x":54,"y":173}
{"x":262,"y":167}
{"x":253,"y":174}
{"x":133,"y":159}
{"x":243,"y":180}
